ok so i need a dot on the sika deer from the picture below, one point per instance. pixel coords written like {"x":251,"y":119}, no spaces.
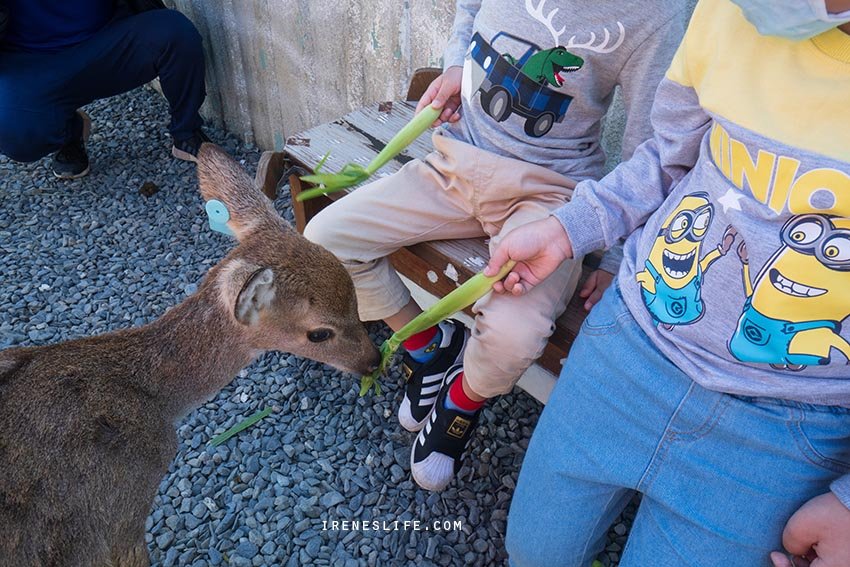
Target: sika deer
{"x":87,"y":426}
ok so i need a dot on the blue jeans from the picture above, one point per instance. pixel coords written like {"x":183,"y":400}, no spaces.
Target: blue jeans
{"x":720,"y":474}
{"x":41,"y":91}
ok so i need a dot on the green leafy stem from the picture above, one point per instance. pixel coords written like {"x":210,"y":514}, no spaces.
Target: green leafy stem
{"x":471,"y":291}
{"x":352,"y":173}
{"x":241,"y":426}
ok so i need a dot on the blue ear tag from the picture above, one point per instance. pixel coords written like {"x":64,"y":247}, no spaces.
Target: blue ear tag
{"x":218,"y":215}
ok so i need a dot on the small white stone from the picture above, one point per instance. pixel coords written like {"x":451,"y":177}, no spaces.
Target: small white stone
{"x":210,"y":504}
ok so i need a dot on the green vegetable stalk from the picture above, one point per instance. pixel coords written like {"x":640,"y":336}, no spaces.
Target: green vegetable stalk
{"x":471,"y":291}
{"x":353,"y":173}
{"x":241,"y":426}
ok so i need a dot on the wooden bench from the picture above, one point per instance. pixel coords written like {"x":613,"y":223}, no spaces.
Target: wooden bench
{"x":430,"y":269}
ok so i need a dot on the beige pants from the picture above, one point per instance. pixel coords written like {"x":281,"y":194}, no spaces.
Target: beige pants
{"x":458,"y":191}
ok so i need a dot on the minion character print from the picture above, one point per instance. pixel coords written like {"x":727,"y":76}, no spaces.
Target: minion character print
{"x":794,"y":309}
{"x":671,"y":282}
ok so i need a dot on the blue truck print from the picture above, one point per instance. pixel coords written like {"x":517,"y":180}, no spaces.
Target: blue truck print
{"x":506,"y":87}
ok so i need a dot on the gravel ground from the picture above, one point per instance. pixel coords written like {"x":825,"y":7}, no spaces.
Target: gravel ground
{"x":95,"y":255}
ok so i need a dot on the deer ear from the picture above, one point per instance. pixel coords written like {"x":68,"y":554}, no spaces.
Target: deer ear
{"x":222,"y":179}
{"x":257,"y":295}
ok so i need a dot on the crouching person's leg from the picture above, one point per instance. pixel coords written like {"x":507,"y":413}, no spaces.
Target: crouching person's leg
{"x":28,"y":136}
{"x":39,"y":109}
{"x":132,"y":51}
{"x":33,"y":121}
{"x":178,"y":59}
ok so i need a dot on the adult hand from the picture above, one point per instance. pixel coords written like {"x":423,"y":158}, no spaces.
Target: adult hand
{"x":594,"y":287}
{"x":817,"y":535}
{"x":444,"y":92}
{"x":538,"y":248}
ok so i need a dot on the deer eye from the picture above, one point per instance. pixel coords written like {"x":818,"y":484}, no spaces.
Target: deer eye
{"x":320,"y":335}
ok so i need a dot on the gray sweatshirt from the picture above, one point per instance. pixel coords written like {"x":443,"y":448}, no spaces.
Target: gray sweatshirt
{"x":539,"y":77}
{"x":738,"y":261}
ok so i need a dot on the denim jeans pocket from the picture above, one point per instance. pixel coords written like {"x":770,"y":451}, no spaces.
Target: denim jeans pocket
{"x":609,"y":314}
{"x":823,"y":437}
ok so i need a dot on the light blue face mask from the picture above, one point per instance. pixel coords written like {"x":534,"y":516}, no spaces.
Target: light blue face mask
{"x":793,"y":19}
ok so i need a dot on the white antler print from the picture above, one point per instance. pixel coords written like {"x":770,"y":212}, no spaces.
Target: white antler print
{"x":537,"y":14}
{"x":602,"y":47}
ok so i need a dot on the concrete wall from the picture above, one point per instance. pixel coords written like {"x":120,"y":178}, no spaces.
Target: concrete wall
{"x":276,"y":67}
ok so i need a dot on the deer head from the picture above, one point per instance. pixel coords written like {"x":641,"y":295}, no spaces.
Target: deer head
{"x":286,"y":292}
{"x":547,"y":20}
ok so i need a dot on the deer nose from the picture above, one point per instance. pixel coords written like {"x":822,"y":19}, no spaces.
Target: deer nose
{"x":376,"y":362}
{"x":374,"y":365}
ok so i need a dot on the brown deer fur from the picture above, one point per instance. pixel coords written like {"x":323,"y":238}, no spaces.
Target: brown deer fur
{"x":87,"y":426}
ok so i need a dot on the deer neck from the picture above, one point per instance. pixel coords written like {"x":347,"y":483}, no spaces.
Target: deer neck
{"x":198,"y":348}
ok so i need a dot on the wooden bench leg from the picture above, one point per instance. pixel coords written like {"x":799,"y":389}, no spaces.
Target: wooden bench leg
{"x":304,"y":210}
{"x":270,"y":169}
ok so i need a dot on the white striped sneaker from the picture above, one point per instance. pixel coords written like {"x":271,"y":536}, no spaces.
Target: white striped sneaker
{"x":435,"y":457}
{"x":425,"y":380}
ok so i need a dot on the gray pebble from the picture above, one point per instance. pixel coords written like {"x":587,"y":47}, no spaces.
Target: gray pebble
{"x":396,"y":474}
{"x":332,"y":499}
{"x":246,"y":549}
{"x":164,"y":540}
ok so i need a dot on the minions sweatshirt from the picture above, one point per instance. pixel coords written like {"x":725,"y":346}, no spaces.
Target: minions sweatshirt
{"x":737,"y":262}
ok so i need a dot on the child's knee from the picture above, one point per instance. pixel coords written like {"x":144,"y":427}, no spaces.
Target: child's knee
{"x":327,"y":230}
{"x":512,"y":332}
{"x":500,"y":351}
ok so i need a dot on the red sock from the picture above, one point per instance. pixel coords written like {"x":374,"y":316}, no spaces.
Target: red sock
{"x":460,"y":399}
{"x":420,"y":339}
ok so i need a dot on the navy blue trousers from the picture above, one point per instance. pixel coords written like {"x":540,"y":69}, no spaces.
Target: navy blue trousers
{"x":40,"y":92}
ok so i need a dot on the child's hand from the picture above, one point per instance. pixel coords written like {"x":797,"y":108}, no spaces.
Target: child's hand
{"x":538,"y":248}
{"x":817,"y":534}
{"x":594,"y":287}
{"x":444,"y":92}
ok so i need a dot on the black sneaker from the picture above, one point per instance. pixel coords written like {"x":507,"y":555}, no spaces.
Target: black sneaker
{"x":436,"y":453}
{"x":425,"y":380}
{"x":188,"y":149}
{"x":72,"y":161}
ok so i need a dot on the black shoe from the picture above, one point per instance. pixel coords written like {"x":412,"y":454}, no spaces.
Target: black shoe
{"x":425,"y":380}
{"x":72,"y":161}
{"x":188,"y":149}
{"x":436,"y":453}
